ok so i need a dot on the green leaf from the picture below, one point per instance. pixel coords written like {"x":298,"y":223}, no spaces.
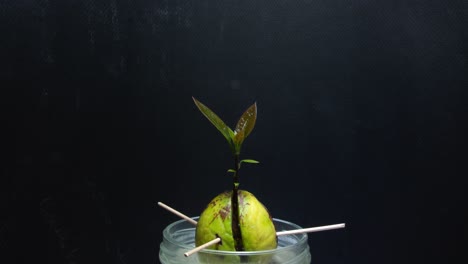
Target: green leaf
{"x":216,"y":121}
{"x":232,"y":170}
{"x":250,"y":161}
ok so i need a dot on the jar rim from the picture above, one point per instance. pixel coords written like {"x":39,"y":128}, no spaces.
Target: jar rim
{"x":301,"y":240}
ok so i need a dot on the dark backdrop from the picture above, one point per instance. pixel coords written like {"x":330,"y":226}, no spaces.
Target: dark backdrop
{"x":361,"y":119}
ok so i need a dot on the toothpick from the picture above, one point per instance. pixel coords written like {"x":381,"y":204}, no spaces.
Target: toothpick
{"x":212,"y":242}
{"x":177,"y":213}
{"x":311,"y":229}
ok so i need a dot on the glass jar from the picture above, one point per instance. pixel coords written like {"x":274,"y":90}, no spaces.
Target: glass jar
{"x":179,"y":237}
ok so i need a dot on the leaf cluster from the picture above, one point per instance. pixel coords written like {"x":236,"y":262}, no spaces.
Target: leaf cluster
{"x":243,"y":128}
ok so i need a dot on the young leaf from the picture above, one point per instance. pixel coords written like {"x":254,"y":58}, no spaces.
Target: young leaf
{"x":250,"y":161}
{"x":216,"y":121}
{"x":246,"y":122}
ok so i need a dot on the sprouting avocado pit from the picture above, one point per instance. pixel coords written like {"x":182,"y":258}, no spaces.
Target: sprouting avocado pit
{"x":237,"y":217}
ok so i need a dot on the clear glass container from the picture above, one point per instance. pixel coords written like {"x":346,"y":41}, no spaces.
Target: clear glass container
{"x":179,"y":237}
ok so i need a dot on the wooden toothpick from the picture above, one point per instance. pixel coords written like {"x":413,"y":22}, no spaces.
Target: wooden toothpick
{"x":310,"y":229}
{"x":177,"y":213}
{"x":195,"y":250}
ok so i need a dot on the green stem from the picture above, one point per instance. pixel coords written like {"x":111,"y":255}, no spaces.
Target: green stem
{"x":235,"y":224}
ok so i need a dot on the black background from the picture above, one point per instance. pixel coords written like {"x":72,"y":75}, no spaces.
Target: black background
{"x":361,"y":119}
